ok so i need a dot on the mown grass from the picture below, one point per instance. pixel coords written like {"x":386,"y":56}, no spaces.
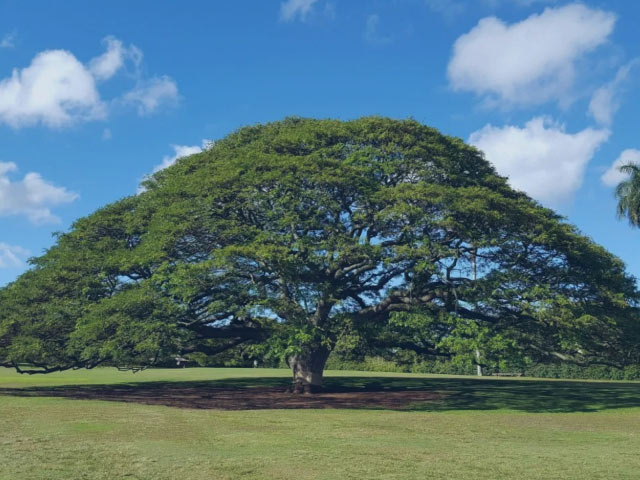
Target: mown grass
{"x":479,"y":429}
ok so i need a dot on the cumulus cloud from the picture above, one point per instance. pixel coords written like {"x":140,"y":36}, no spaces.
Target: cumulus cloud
{"x":55,"y":90}
{"x":529,"y":62}
{"x":32,"y":196}
{"x":180,"y":151}
{"x":613,"y":176}
{"x":540,"y":159}
{"x":605,"y":101}
{"x":149,"y":95}
{"x":12,"y":256}
{"x":295,"y":9}
{"x":107,"y":65}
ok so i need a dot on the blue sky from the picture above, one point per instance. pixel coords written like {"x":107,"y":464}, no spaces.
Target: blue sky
{"x":92,"y":99}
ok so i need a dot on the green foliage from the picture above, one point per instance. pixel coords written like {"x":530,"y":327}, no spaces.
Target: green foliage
{"x":593,"y":372}
{"x":465,"y":366}
{"x":307,"y":236}
{"x":628,"y":194}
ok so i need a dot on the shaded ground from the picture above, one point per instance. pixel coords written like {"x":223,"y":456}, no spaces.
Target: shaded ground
{"x":417,"y":394}
{"x":228,"y":398}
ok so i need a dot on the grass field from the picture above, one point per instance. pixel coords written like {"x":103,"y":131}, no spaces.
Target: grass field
{"x":476,"y":429}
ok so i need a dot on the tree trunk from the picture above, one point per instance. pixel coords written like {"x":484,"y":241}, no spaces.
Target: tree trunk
{"x":307,"y":368}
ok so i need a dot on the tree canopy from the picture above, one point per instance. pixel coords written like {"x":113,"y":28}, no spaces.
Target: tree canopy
{"x":293,"y":237}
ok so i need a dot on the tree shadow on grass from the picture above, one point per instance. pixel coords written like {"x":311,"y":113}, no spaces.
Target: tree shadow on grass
{"x":389,"y":393}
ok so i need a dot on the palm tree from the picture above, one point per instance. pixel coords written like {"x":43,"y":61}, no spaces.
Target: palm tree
{"x":628,"y":195}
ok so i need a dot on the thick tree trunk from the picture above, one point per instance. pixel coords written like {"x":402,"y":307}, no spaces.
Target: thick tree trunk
{"x":307,"y":368}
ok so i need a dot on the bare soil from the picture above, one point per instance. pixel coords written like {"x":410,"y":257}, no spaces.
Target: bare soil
{"x":228,"y":398}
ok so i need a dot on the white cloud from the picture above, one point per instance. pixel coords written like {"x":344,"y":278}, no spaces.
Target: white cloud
{"x":613,"y":176}
{"x":32,"y":196}
{"x":180,"y":151}
{"x":8,"y":41}
{"x":531,"y":61}
{"x":12,"y":256}
{"x":295,"y":9}
{"x":606,"y":99}
{"x":55,"y":90}
{"x":151,"y":94}
{"x":107,"y":65}
{"x":541,"y":159}
{"x":371,"y":33}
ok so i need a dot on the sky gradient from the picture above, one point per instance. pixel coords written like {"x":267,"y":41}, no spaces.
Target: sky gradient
{"x":93,"y":99}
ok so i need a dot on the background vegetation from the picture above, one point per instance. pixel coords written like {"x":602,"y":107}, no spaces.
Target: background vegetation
{"x":409,"y":363}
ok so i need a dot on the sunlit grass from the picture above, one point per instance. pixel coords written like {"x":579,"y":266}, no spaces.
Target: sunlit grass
{"x":482,"y":429}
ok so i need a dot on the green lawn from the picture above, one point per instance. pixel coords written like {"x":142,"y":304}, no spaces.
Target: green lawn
{"x":479,"y":429}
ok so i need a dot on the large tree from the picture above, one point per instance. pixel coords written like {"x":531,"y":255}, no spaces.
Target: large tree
{"x":298,"y":235}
